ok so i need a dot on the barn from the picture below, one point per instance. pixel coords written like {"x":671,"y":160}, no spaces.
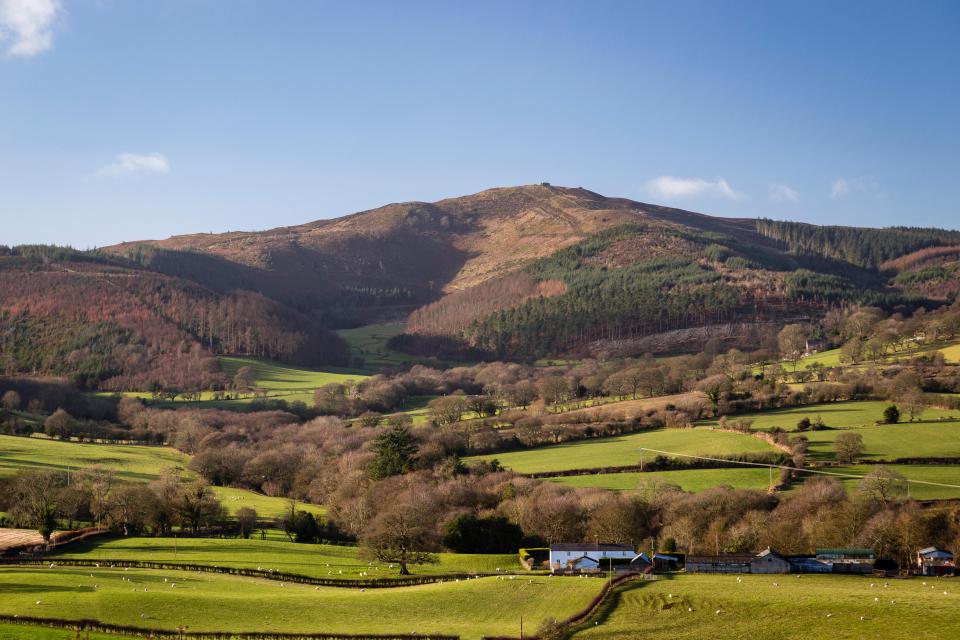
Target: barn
{"x":769,"y":561}
{"x":726,"y":563}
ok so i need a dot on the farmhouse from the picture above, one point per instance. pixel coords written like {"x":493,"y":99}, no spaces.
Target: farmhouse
{"x":847,"y":560}
{"x":563,"y":555}
{"x":935,"y":562}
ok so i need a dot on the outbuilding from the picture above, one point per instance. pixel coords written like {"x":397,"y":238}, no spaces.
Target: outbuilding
{"x":935,"y":562}
{"x":769,"y":561}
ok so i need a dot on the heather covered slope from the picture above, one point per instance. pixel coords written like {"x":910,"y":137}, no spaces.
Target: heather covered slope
{"x":514,"y":272}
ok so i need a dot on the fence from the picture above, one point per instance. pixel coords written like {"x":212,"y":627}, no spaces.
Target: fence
{"x":96,"y":626}
{"x":372,"y":583}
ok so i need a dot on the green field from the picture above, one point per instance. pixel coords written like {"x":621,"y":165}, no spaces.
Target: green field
{"x":281,"y":382}
{"x":835,"y":414}
{"x":266,"y":506}
{"x":831,"y":357}
{"x":23,"y":632}
{"x":317,"y":561}
{"x":622,"y":451}
{"x":945,"y":474}
{"x":693,"y":480}
{"x":932,"y":436}
{"x":213,"y":602}
{"x":129,"y":462}
{"x":369,"y":343}
{"x":821,"y":607}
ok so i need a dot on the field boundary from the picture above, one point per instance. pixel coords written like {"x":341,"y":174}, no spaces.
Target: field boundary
{"x":165,"y":634}
{"x":563,"y":628}
{"x":375,"y":583}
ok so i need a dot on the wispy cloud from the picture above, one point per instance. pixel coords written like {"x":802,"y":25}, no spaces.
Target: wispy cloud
{"x":840,"y":188}
{"x":128,"y":164}
{"x":783,"y":193}
{"x":843,"y":187}
{"x":27,"y":26}
{"x":670,"y":187}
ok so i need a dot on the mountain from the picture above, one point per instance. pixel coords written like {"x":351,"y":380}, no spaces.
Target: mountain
{"x":516,"y":272}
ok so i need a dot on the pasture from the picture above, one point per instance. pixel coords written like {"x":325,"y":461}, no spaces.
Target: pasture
{"x":22,"y":632}
{"x":836,"y":607}
{"x":862,"y":413}
{"x":369,"y":344}
{"x":945,"y":474}
{"x":934,"y":435}
{"x":691,"y":480}
{"x":214,"y":602}
{"x":619,"y":451}
{"x":316,"y":561}
{"x":130,"y":463}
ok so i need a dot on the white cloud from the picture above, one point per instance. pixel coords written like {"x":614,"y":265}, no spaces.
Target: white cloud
{"x":27,"y":26}
{"x":783,"y":193}
{"x":865,"y":185}
{"x":840,"y":188}
{"x":128,"y":164}
{"x":670,"y":187}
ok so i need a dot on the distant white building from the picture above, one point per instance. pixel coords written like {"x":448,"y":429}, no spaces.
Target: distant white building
{"x":567,"y":555}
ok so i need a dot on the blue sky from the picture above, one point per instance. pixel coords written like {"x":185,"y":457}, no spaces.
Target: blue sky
{"x":123,"y":120}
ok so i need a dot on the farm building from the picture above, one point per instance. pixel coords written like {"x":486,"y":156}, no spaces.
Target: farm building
{"x":641,"y":562}
{"x":561,"y":554}
{"x":808,"y":564}
{"x":847,"y":560}
{"x":769,"y":561}
{"x":727,"y":563}
{"x":664,"y":562}
{"x":935,"y":562}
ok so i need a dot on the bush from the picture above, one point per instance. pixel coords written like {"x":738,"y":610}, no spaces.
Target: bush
{"x":891,"y":415}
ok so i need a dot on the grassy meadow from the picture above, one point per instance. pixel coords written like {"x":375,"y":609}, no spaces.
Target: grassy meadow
{"x":753,"y":606}
{"x":130,"y":463}
{"x":369,"y":343}
{"x":317,"y":561}
{"x":281,"y":382}
{"x":934,"y":435}
{"x":692,"y":480}
{"x":214,"y":602}
{"x":625,"y":450}
{"x":945,"y":474}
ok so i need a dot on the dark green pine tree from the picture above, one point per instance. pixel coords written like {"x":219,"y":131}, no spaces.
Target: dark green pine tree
{"x":395,"y":451}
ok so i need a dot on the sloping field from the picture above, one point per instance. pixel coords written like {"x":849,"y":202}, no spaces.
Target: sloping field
{"x":835,"y":414}
{"x":944,"y":474}
{"x":621,"y":451}
{"x":129,"y":462}
{"x":753,"y":606}
{"x":692,"y":480}
{"x":277,"y":376}
{"x":213,"y":602}
{"x":317,"y":561}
